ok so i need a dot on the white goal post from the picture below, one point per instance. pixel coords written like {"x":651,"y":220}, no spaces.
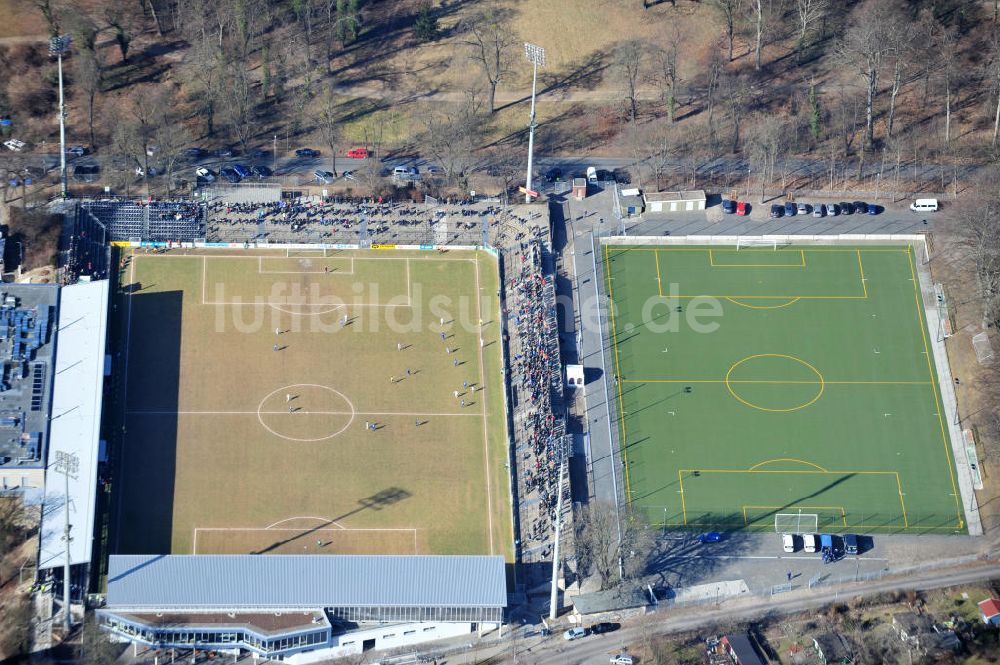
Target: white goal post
{"x":747,"y":243}
{"x":796,"y":523}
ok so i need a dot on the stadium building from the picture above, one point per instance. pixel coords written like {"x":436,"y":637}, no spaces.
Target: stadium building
{"x":300,"y":608}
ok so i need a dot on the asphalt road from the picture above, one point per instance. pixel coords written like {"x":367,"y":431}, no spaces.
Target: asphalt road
{"x":592,"y":650}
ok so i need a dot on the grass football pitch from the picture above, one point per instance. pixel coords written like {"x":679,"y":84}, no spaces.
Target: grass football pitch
{"x":306,"y":402}
{"x":766,"y":381}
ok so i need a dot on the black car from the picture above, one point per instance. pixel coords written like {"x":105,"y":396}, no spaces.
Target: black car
{"x":230,"y":174}
{"x":777,"y":210}
{"x":195,"y":153}
{"x":225,"y":152}
{"x":554,"y":174}
{"x":306,"y":152}
{"x":622,"y":176}
{"x":261,"y":171}
{"x":605,"y":627}
{"x":728,"y":206}
{"x":260,"y":154}
{"x":860,"y":207}
{"x":846,"y":208}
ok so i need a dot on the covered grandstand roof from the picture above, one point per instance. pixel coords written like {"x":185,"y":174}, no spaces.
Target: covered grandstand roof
{"x":206,"y":582}
{"x":75,"y":424}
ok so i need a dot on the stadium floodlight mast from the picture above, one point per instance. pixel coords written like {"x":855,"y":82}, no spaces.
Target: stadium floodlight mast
{"x":57,"y":47}
{"x":67,"y":464}
{"x":536,"y":56}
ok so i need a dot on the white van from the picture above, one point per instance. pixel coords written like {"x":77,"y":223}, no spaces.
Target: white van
{"x":788,"y":542}
{"x":924,"y":205}
{"x":810,"y":543}
{"x":591,"y":174}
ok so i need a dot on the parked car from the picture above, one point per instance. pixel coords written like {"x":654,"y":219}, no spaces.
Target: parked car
{"x":401,"y":170}
{"x":860,"y":207}
{"x":622,"y":659}
{"x":622,"y":176}
{"x":728,"y":206}
{"x":195,"y":153}
{"x":810,"y":543}
{"x":205,"y":174}
{"x":604,"y":627}
{"x":710,"y":537}
{"x":872,"y":209}
{"x":224,"y":152}
{"x":819,"y":210}
{"x":777,"y":210}
{"x":554,"y":174}
{"x":742,"y":208}
{"x":803,"y":208}
{"x":261,"y":171}
{"x":592,"y":174}
{"x":846,"y":208}
{"x":788,"y":542}
{"x":574,"y":634}
{"x":230,"y":174}
{"x":76,"y":150}
{"x":358,"y":153}
{"x":348,"y":175}
{"x":832,"y":209}
{"x":324,"y":177}
{"x":306,"y":152}
{"x":924,"y":205}
{"x":433,"y":170}
{"x":790,"y":209}
{"x":243,"y":171}
{"x":260,"y":154}
{"x":850,"y":544}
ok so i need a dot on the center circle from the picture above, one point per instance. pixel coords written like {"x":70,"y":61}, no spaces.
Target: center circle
{"x":774,"y":382}
{"x":305,"y":412}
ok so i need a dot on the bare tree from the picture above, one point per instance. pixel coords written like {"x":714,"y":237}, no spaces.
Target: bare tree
{"x":508,"y":163}
{"x":452,"y":133}
{"x":734,"y":91}
{"x":667,"y":75}
{"x":96,"y":648}
{"x":492,"y":43}
{"x":172,"y":139}
{"x":599,"y":549}
{"x":729,"y":10}
{"x":947,"y":48}
{"x":89,"y":75}
{"x":757,"y":11}
{"x":765,"y":141}
{"x":864,"y":47}
{"x":628,"y":65}
{"x":373,"y":135}
{"x":239,"y":103}
{"x":327,"y":118}
{"x":809,"y":13}
{"x":902,"y":50}
{"x":46,"y":7}
{"x":993,"y":79}
{"x":715,"y":69}
{"x":207,"y":72}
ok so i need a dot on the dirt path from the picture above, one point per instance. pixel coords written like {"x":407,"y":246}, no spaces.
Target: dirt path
{"x":503,"y":98}
{"x":23,"y":39}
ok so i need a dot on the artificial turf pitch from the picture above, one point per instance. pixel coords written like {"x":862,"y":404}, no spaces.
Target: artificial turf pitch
{"x":814,"y":391}
{"x":231,"y":446}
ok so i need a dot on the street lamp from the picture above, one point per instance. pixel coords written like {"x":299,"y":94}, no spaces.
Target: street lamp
{"x":57,"y":47}
{"x":67,"y":464}
{"x":536,"y":56}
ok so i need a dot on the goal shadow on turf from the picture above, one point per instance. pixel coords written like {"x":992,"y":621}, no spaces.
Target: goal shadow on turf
{"x":377,"y":501}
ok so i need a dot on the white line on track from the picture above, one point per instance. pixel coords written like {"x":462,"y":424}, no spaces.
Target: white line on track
{"x":486,"y":437}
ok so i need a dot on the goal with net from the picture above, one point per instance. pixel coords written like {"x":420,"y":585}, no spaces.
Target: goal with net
{"x":748,"y":243}
{"x":797,"y":523}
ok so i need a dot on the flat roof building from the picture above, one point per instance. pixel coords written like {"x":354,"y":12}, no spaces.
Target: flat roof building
{"x":330,"y":606}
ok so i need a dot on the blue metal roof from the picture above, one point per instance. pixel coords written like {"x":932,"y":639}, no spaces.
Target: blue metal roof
{"x":193,"y":582}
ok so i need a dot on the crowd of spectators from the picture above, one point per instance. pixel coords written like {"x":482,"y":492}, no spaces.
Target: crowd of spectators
{"x":536,"y":393}
{"x":350,"y":220}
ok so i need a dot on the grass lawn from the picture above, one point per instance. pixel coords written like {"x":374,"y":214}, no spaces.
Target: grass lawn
{"x":231,"y":446}
{"x":806,"y":385}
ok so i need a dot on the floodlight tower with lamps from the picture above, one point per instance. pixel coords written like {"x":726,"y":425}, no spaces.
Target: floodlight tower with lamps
{"x":57,"y":47}
{"x":67,"y":464}
{"x":536,"y":56}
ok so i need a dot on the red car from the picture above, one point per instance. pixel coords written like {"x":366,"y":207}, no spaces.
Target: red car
{"x":741,"y":208}
{"x":358,"y":153}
